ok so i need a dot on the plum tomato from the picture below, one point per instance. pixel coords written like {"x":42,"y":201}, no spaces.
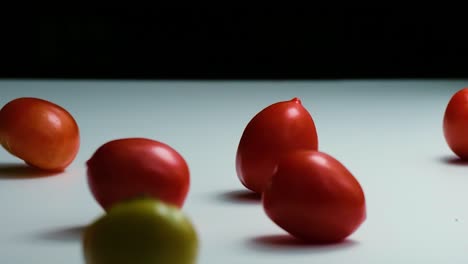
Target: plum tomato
{"x":137,"y":167}
{"x":314,"y":198}
{"x":281,"y":127}
{"x":39,"y":132}
{"x":141,"y":231}
{"x":455,"y":124}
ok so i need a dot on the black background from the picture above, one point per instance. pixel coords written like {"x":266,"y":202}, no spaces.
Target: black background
{"x":233,"y":43}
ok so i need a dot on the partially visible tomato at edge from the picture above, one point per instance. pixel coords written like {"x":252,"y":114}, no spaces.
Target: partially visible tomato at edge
{"x":455,"y":123}
{"x":39,"y":132}
{"x":141,"y":231}
{"x":129,"y":168}
{"x":315,"y":198}
{"x":281,"y":127}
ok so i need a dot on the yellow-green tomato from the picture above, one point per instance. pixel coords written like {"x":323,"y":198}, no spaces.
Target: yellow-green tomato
{"x":141,"y":231}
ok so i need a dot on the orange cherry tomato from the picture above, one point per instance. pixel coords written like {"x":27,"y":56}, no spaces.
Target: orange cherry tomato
{"x":456,"y":123}
{"x":39,"y":132}
{"x":279,"y":128}
{"x":314,"y":197}
{"x":129,"y":168}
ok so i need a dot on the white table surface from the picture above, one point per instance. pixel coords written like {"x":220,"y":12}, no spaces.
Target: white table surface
{"x":388,"y":134}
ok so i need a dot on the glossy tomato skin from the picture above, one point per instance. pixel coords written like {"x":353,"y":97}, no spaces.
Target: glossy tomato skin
{"x":279,"y":128}
{"x":141,"y":231}
{"x":456,"y":123}
{"x":315,"y":198}
{"x":137,"y":167}
{"x":39,"y":132}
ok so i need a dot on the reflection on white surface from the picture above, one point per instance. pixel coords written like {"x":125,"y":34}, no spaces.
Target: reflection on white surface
{"x":388,"y":133}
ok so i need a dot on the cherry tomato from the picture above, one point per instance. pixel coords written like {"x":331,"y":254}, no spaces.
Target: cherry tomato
{"x":141,"y":231}
{"x":134,"y":167}
{"x":39,"y":132}
{"x":279,"y":128}
{"x":314,"y":198}
{"x":456,"y":123}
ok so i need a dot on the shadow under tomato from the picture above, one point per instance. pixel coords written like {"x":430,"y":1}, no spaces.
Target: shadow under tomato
{"x":240,"y":196}
{"x":454,"y":160}
{"x":23,"y":171}
{"x":288,"y":242}
{"x":67,"y":234}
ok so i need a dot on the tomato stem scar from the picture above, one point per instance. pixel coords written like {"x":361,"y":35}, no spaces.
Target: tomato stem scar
{"x":296,"y":100}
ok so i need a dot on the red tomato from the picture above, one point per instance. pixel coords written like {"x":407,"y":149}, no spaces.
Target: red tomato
{"x":129,"y":168}
{"x":279,"y":128}
{"x":39,"y":132}
{"x":456,"y":123}
{"x":314,"y":198}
